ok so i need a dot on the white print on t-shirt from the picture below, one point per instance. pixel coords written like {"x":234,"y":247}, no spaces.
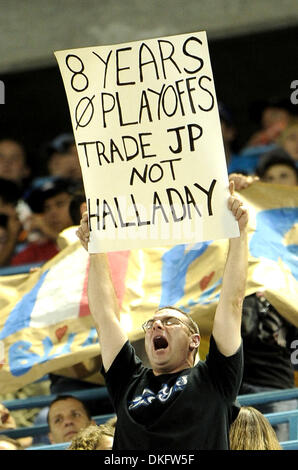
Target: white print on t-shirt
{"x":163,"y":395}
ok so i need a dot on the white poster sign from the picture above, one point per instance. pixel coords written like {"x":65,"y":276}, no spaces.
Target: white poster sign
{"x":149,"y":140}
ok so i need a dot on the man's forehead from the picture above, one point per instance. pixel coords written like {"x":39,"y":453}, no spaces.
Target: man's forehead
{"x":68,"y":403}
{"x":9,"y":145}
{"x":168,"y":312}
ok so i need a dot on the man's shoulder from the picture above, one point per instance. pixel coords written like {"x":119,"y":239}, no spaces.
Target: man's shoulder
{"x":126,"y":361}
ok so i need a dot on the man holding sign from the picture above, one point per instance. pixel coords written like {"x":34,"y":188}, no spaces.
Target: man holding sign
{"x":148,"y":135}
{"x":175,"y":404}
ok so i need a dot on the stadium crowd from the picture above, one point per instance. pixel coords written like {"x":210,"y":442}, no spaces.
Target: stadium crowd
{"x":36,"y":208}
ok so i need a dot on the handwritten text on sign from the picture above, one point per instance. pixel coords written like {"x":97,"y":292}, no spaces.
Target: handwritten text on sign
{"x":148,"y":135}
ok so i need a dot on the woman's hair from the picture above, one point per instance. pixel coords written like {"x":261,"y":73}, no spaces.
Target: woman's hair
{"x":112,"y":422}
{"x":252,"y":431}
{"x":90,"y":438}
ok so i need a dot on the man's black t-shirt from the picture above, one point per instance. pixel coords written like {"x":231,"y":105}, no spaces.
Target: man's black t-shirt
{"x":187,"y":410}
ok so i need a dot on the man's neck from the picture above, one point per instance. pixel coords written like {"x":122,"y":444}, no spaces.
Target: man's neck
{"x":165,"y":370}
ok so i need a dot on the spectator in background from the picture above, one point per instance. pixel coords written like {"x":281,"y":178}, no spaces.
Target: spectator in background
{"x":10,"y":225}
{"x":8,"y":422}
{"x":267,"y":339}
{"x":278,"y":167}
{"x":252,"y":431}
{"x":13,"y":163}
{"x":50,"y":206}
{"x":275,"y":167}
{"x":61,"y":159}
{"x":94,"y":438}
{"x":67,"y":415}
{"x":274,"y":116}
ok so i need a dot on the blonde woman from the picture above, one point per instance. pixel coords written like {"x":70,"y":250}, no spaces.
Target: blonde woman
{"x":93,"y":438}
{"x":252,"y":431}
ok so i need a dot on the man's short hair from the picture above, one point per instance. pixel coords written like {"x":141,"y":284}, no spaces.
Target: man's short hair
{"x":66,"y":397}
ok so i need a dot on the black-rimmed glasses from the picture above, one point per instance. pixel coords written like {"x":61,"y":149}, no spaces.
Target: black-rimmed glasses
{"x":166,"y":321}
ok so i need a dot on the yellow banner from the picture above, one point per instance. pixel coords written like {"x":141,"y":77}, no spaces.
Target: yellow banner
{"x":45,"y":323}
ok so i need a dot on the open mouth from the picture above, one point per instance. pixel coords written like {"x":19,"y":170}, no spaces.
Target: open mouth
{"x":160,"y":342}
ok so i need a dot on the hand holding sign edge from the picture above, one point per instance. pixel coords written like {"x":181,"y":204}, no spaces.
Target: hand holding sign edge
{"x":83,"y":232}
{"x":237,"y":208}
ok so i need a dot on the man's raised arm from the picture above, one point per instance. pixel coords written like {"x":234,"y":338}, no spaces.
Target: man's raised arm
{"x":103,"y":303}
{"x":227,"y":320}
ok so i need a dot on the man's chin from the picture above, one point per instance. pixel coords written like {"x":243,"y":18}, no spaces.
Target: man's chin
{"x":69,"y":435}
{"x":159,"y":358}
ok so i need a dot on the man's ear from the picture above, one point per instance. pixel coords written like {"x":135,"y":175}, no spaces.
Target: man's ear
{"x":195,"y":341}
